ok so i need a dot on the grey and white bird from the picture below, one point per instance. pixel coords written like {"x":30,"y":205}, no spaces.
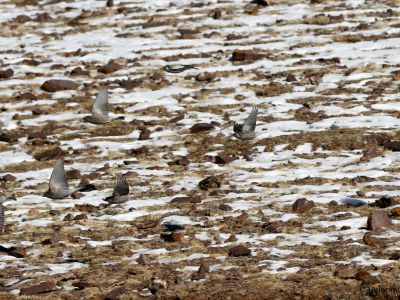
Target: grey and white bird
{"x":99,"y":109}
{"x":245,"y":131}
{"x":2,"y":213}
{"x":121,"y":191}
{"x":58,"y":185}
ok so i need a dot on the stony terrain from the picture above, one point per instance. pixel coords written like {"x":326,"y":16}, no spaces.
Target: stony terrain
{"x":283,"y":216}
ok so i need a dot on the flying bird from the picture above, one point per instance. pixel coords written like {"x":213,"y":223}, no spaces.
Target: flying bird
{"x":121,"y":191}
{"x":58,"y":185}
{"x":99,"y":109}
{"x":245,"y":131}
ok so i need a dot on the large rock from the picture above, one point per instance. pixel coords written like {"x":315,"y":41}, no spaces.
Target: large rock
{"x":378,"y":220}
{"x":55,"y":85}
{"x":5,"y":74}
{"x":302,"y":205}
{"x":239,"y":250}
{"x":246,"y":55}
{"x":199,"y":127}
{"x":42,"y":287}
{"x":209,"y":183}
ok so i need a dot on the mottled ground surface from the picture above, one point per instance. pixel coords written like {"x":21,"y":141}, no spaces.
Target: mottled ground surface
{"x":325,"y":76}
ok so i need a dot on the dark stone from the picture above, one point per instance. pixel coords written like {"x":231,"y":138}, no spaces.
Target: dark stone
{"x":232,"y":238}
{"x":144,"y":259}
{"x":365,"y":277}
{"x":302,"y":205}
{"x":109,"y":68}
{"x":370,"y":240}
{"x":80,"y":217}
{"x":222,"y":159}
{"x":201,"y":272}
{"x":384,"y":202}
{"x":73,"y":174}
{"x":224,"y":207}
{"x":378,"y":220}
{"x":42,"y":287}
{"x":50,"y":154}
{"x":5,"y":74}
{"x":184,"y":161}
{"x":239,"y":250}
{"x":144,"y":134}
{"x":177,"y":118}
{"x":78,"y":71}
{"x":9,"y":178}
{"x":246,"y":55}
{"x":210,"y":183}
{"x":140,"y":151}
{"x":116,"y":293}
{"x":199,"y":127}
{"x":26,"y":96}
{"x":55,"y":85}
{"x":172,"y":237}
{"x":290,"y":78}
{"x":392,"y":145}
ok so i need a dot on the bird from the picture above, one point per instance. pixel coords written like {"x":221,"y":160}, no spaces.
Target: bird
{"x":245,"y":131}
{"x":2,"y":217}
{"x":121,"y":191}
{"x":58,"y":185}
{"x":99,"y":109}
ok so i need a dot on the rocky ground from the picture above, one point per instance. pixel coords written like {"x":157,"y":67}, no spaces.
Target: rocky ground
{"x":307,"y":210}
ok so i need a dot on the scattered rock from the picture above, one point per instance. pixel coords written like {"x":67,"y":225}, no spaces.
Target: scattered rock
{"x":222,"y":159}
{"x":239,"y":250}
{"x":232,"y":238}
{"x":378,"y":220}
{"x":110,"y":3}
{"x":224,"y":207}
{"x":53,"y":153}
{"x":73,"y":174}
{"x":210,"y":182}
{"x":144,"y":134}
{"x":109,"y":68}
{"x":201,"y":272}
{"x":116,"y":294}
{"x":206,"y":76}
{"x":55,"y":85}
{"x":78,"y":71}
{"x":246,"y":55}
{"x":345,"y":272}
{"x":26,"y":96}
{"x":5,"y":74}
{"x":184,"y":161}
{"x":365,"y":277}
{"x":384,"y":202}
{"x":370,"y":240}
{"x":396,"y":211}
{"x":172,"y":237}
{"x":80,"y":217}
{"x":290,"y":78}
{"x":392,"y":145}
{"x":177,"y":118}
{"x":199,"y":127}
{"x":140,"y":151}
{"x":9,"y":178}
{"x":302,"y":205}
{"x":40,"y":288}
{"x":369,"y":154}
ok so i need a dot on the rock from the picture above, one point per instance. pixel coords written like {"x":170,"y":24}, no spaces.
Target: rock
{"x":129,"y":84}
{"x":172,"y":237}
{"x":302,"y":205}
{"x":110,"y":3}
{"x":222,"y":159}
{"x":55,"y":85}
{"x":42,"y":287}
{"x":210,"y":182}
{"x":144,"y":134}
{"x":144,"y":259}
{"x":369,"y":154}
{"x":37,"y":135}
{"x":206,"y":76}
{"x":18,"y":252}
{"x":177,"y":118}
{"x":184,"y":161}
{"x":290,"y":78}
{"x":201,"y":272}
{"x":140,"y":151}
{"x":80,"y":285}
{"x":199,"y":127}
{"x":50,"y":154}
{"x":396,"y":211}
{"x":26,"y":96}
{"x":77,"y":195}
{"x":345,"y":227}
{"x":395,"y":256}
{"x":68,"y":217}
{"x":9,"y":137}
{"x":384,"y":202}
{"x":370,"y":240}
{"x":392,"y":145}
{"x":188,"y":33}
{"x":22,"y":19}
{"x":116,"y":294}
{"x":345,"y":272}
{"x":89,"y":208}
{"x":80,"y":217}
{"x":78,"y":71}
{"x":239,"y":250}
{"x":261,"y":2}
{"x":109,"y":68}
{"x":5,"y":74}
{"x":216,"y":14}
{"x":224,"y":207}
{"x":9,"y":178}
{"x":192,"y":199}
{"x":365,"y":277}
{"x":378,"y":220}
{"x":231,"y":238}
{"x":246,"y":55}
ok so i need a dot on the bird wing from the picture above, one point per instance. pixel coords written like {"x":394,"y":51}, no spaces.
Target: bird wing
{"x":58,"y":179}
{"x":121,"y":187}
{"x":250,"y":123}
{"x":100,"y":105}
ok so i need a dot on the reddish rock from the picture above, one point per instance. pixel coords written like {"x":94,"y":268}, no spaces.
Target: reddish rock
{"x":222,"y":159}
{"x":177,"y":118}
{"x":384,"y":202}
{"x":200,"y":127}
{"x":239,"y":250}
{"x":42,"y":287}
{"x":378,"y":220}
{"x":26,"y":96}
{"x":290,"y":78}
{"x":216,"y":14}
{"x":109,"y":68}
{"x":201,"y":272}
{"x":144,"y":259}
{"x":206,"y":76}
{"x":22,"y":19}
{"x":345,"y":272}
{"x":246,"y":55}
{"x":17,"y":252}
{"x":210,"y":183}
{"x":140,"y":151}
{"x":55,"y":85}
{"x":172,"y":237}
{"x":392,"y":145}
{"x":80,"y":217}
{"x":302,"y":205}
{"x":370,"y":154}
{"x":396,"y":211}
{"x":50,"y":154}
{"x":232,"y":238}
{"x":73,"y":174}
{"x":5,"y":74}
{"x":78,"y":71}
{"x":370,"y":240}
{"x":224,"y":207}
{"x":9,"y":178}
{"x":184,"y":161}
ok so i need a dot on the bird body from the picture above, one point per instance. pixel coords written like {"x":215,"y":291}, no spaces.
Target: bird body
{"x":245,"y":131}
{"x":99,"y":109}
{"x":121,"y":191}
{"x":58,"y":185}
